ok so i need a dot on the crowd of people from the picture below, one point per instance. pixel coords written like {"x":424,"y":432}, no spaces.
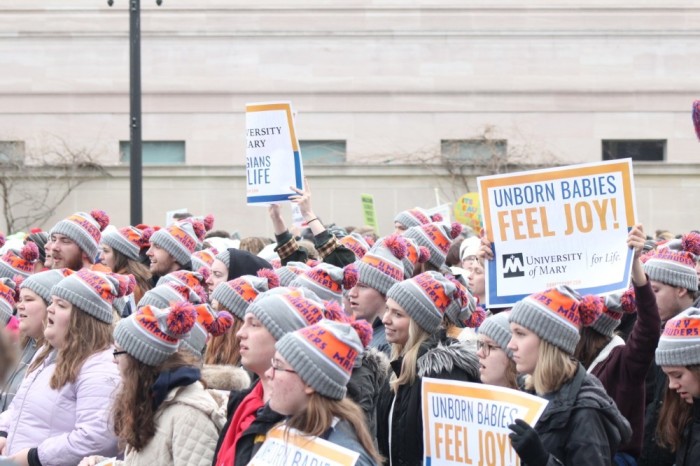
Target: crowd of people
{"x":179,"y":345}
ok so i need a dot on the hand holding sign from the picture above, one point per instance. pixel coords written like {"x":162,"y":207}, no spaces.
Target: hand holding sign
{"x":528,"y":444}
{"x":302,"y":198}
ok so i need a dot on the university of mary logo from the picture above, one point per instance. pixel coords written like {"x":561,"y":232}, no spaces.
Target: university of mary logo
{"x":513,"y":265}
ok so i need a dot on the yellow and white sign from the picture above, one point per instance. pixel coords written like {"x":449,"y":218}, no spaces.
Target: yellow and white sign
{"x":467,"y":423}
{"x":287,"y":447}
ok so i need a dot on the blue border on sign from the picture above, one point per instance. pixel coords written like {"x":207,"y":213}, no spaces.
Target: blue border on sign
{"x":297,"y":169}
{"x":270,"y":198}
{"x":504,"y":300}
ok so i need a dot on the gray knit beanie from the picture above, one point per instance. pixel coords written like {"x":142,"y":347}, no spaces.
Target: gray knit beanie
{"x":194,"y":281}
{"x":19,"y":263}
{"x":554,"y":316}
{"x":183,"y":238}
{"x":161,"y":296}
{"x":236,"y":295}
{"x":94,"y":292}
{"x":323,"y":356}
{"x":497,"y":328}
{"x":85,"y":230}
{"x":675,"y":268}
{"x":287,"y":273}
{"x":128,"y":240}
{"x":284,"y":313}
{"x":327,"y":281}
{"x":679,"y":344}
{"x":416,"y":217}
{"x":152,"y":335}
{"x":614,"y":307}
{"x":42,"y":282}
{"x":382,"y":267}
{"x":437,"y":237}
{"x":428,"y":297}
{"x":209,"y":322}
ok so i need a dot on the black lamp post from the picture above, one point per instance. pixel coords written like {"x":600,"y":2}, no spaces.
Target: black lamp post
{"x":135,"y":161}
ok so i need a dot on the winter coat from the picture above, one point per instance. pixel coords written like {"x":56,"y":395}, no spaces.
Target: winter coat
{"x":622,"y":368}
{"x":15,"y":379}
{"x":688,"y":453}
{"x":67,"y":424}
{"x":253,"y":437}
{"x":399,"y":423}
{"x":581,"y":426}
{"x":221,"y":380}
{"x":654,"y":454}
{"x":344,"y":435}
{"x":370,"y":373}
{"x":187,"y":427}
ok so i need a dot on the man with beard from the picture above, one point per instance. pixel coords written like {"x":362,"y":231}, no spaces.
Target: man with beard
{"x":75,"y":241}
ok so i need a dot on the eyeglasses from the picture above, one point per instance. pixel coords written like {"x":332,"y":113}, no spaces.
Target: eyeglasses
{"x":485,"y":347}
{"x":116,"y":353}
{"x":275,"y":364}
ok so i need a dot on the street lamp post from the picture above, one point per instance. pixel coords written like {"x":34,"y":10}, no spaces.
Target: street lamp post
{"x":135,"y":159}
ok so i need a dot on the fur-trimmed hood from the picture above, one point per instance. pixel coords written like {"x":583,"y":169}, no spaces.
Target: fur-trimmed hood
{"x":448,"y":356}
{"x":378,"y":363}
{"x":227,"y":378}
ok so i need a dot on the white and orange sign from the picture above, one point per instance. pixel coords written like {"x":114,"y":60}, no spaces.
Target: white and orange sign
{"x":558,"y":226}
{"x":284,"y":447}
{"x":273,"y":158}
{"x":467,"y":423}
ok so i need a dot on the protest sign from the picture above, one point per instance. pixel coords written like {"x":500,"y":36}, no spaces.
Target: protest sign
{"x":288,"y":447}
{"x":273,"y":159}
{"x":467,"y":211}
{"x":369,"y":214}
{"x":467,"y":423}
{"x":564,"y":225}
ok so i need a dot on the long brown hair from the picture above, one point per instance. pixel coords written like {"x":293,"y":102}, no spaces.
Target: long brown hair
{"x":674,"y":416}
{"x":124,"y":265}
{"x":320,"y":413}
{"x":132,"y":413}
{"x":225,"y":349}
{"x":86,"y":336}
{"x":590,"y":345}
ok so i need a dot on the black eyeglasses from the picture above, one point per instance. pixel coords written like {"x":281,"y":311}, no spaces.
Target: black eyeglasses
{"x":485,"y":347}
{"x":116,"y":353}
{"x":275,"y":364}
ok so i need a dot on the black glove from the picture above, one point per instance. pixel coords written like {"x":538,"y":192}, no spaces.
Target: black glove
{"x":527,"y":444}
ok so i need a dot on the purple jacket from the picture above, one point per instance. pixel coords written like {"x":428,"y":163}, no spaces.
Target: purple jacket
{"x":624,"y":370}
{"x":65,"y":424}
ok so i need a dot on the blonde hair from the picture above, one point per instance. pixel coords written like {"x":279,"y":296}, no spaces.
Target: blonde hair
{"x":409,"y":351}
{"x":554,"y":368}
{"x":320,"y":413}
{"x":86,"y":336}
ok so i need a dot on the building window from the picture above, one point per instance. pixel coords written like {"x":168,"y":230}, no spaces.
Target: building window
{"x":473,"y":150}
{"x":641,"y":150}
{"x":155,"y":152}
{"x":322,"y":152}
{"x":12,"y":151}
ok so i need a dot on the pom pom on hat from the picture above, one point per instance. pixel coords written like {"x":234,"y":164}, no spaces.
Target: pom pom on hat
{"x":29,"y":252}
{"x":476,"y":319}
{"x":273,"y":281}
{"x":334,"y":311}
{"x":396,"y":245}
{"x":214,"y":325}
{"x":455,"y":229}
{"x":126,"y":284}
{"x":628,"y":301}
{"x":208,"y":221}
{"x":349,"y":276}
{"x":691,"y":242}
{"x":436,"y":217}
{"x":590,"y":308}
{"x":2,"y":240}
{"x":181,"y":318}
{"x":100,"y":217}
{"x":696,"y":117}
{"x":423,"y":254}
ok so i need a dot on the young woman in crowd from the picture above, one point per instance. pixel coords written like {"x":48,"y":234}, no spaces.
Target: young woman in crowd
{"x":678,"y":354}
{"x":622,"y":367}
{"x":270,"y":317}
{"x":308,"y":387}
{"x":121,"y":252}
{"x":496,"y":365}
{"x":178,"y":422}
{"x":581,"y":424}
{"x":34,"y":299}
{"x":415,"y":309}
{"x":60,"y":413}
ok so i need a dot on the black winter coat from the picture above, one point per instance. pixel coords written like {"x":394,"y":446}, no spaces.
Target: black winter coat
{"x":367,"y":379}
{"x":250,"y":441}
{"x":688,"y":453}
{"x":581,"y":426}
{"x":399,"y":420}
{"x":654,"y":454}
